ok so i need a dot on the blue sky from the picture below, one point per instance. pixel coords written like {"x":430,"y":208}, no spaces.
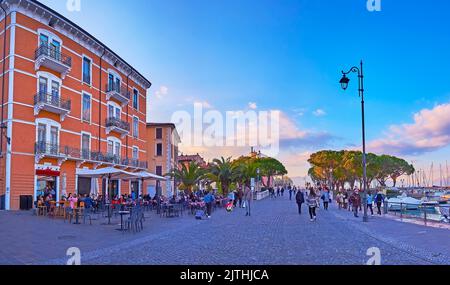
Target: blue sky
{"x":288,"y":55}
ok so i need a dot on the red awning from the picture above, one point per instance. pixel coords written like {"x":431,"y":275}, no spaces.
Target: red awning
{"x":47,"y":172}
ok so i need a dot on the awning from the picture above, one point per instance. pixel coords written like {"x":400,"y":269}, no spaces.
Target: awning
{"x":114,"y":173}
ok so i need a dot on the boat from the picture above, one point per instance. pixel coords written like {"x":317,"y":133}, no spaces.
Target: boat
{"x":404,"y":203}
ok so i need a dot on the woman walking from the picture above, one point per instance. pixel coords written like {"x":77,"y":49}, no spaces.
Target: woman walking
{"x":300,"y":200}
{"x":312,"y":204}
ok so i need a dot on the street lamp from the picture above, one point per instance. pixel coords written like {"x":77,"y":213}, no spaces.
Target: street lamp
{"x":344,"y":84}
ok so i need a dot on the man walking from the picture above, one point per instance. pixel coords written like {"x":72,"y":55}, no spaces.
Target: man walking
{"x":209,"y":199}
{"x":300,"y":199}
{"x":355,"y":200}
{"x":290,"y":192}
{"x":379,"y":200}
{"x":240,"y":195}
{"x":248,"y":197}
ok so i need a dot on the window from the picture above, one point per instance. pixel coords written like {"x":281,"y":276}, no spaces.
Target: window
{"x":42,"y":133}
{"x":117,"y":149}
{"x":110,"y":148}
{"x":86,"y":112}
{"x":43,"y":40}
{"x":87,"y":76}
{"x":114,"y":111}
{"x":114,"y":147}
{"x":159,"y":149}
{"x":85,"y":146}
{"x":135,"y":127}
{"x":114,"y":82}
{"x":135,"y":153}
{"x":159,"y":170}
{"x":135,"y":99}
{"x":159,"y":132}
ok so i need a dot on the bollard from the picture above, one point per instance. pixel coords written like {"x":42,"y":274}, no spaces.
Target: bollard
{"x":401,"y":211}
{"x":425,"y":215}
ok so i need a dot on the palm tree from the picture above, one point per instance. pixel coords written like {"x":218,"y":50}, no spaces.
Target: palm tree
{"x":222,"y":171}
{"x":189,"y":176}
{"x":245,"y":171}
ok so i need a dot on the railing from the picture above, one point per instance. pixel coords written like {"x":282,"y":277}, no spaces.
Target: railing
{"x":135,"y":163}
{"x":53,"y":53}
{"x":114,"y":122}
{"x":115,"y":87}
{"x":54,"y":100}
{"x":427,"y":213}
{"x":46,"y":148}
{"x":50,"y":149}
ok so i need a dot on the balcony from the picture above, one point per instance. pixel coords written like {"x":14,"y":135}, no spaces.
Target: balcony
{"x":51,"y":58}
{"x":135,"y":163}
{"x":51,"y":150}
{"x":51,"y":103}
{"x":116,"y":92}
{"x":118,"y":126}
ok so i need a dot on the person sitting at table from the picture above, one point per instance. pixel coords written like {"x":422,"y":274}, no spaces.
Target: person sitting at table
{"x":73,"y":200}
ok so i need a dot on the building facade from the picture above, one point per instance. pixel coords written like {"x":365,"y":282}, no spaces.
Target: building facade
{"x":68,"y":103}
{"x":162,"y":152}
{"x":186,"y":159}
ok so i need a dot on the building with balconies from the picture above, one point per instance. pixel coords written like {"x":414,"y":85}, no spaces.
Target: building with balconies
{"x":70,"y":103}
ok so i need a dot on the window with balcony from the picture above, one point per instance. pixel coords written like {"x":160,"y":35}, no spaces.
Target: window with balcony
{"x":87,"y":70}
{"x":114,"y":111}
{"x":49,"y":54}
{"x":136,"y":99}
{"x":135,"y":127}
{"x":159,"y":149}
{"x":47,"y":141}
{"x":114,"y":83}
{"x":86,"y":112}
{"x":159,"y":133}
{"x":159,"y":170}
{"x":86,"y":146}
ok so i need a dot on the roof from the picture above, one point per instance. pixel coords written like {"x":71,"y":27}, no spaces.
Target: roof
{"x":161,"y":125}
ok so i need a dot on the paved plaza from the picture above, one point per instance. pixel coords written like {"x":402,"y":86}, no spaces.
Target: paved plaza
{"x":274,"y":234}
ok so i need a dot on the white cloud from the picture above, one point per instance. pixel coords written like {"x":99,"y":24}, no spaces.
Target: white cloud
{"x":319,"y":113}
{"x":252,"y":105}
{"x":162,"y":91}
{"x":429,"y":132}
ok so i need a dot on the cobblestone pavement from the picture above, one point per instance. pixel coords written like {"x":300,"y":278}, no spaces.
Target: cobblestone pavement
{"x":274,"y":234}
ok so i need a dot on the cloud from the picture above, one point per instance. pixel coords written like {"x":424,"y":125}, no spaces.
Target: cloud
{"x":252,"y":105}
{"x":429,"y":132}
{"x":162,"y":91}
{"x":319,"y":113}
{"x":293,"y":137}
{"x":205,"y":104}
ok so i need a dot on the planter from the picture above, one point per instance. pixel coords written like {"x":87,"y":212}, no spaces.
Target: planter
{"x":261,"y":195}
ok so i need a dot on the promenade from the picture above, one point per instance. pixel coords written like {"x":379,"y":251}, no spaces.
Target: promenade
{"x":274,"y":234}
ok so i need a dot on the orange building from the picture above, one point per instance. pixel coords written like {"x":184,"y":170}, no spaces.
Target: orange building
{"x":162,"y":152}
{"x":186,"y":159}
{"x":68,"y":103}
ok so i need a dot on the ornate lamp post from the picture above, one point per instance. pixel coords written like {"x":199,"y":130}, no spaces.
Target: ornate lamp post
{"x":344,"y":84}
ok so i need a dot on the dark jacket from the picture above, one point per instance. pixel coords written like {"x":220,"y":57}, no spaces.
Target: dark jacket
{"x":300,"y":198}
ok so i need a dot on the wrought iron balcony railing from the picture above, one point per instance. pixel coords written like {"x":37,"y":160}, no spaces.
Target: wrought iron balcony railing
{"x":53,"y":53}
{"x":54,"y":100}
{"x":112,"y":122}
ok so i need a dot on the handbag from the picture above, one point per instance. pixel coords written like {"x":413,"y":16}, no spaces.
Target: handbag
{"x":243,"y":205}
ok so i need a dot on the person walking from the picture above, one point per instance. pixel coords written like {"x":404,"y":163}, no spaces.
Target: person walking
{"x":312,"y":204}
{"x":282,"y":191}
{"x":209,"y":199}
{"x":379,"y":200}
{"x":326,"y":199}
{"x":278,"y":191}
{"x":370,"y":202}
{"x":355,"y":200}
{"x":248,"y":197}
{"x":240,"y":195}
{"x":290,"y":193}
{"x":300,"y":199}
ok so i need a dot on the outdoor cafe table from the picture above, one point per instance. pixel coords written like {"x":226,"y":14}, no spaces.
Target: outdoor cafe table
{"x":122,"y":213}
